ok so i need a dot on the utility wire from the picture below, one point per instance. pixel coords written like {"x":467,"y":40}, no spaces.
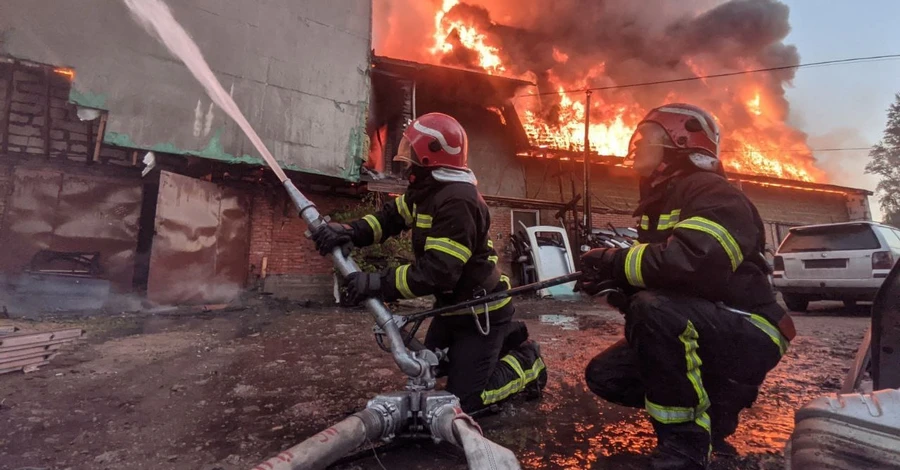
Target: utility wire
{"x":847,"y":149}
{"x":877,"y":58}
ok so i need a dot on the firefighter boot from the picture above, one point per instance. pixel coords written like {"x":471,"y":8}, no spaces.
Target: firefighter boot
{"x":529,"y":356}
{"x":681,"y":447}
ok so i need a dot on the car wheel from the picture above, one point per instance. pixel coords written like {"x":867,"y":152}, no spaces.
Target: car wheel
{"x":850,"y":303}
{"x":796,"y":303}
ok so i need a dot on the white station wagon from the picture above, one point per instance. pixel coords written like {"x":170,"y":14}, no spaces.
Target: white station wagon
{"x":845,"y":261}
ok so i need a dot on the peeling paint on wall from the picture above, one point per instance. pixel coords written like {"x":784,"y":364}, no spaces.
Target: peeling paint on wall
{"x":87,"y":99}
{"x":213,"y":151}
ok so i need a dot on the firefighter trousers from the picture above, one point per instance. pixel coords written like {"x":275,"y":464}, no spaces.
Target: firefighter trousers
{"x":486,"y":369}
{"x":693,"y":365}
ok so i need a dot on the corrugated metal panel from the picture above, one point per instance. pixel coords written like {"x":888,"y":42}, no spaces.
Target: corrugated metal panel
{"x":51,"y":210}
{"x":200,"y":248}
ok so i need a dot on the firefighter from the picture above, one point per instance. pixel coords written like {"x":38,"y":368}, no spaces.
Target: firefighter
{"x":490,"y":355}
{"x":702,"y":327}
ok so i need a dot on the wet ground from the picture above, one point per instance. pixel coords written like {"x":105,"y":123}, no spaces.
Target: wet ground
{"x":224,"y":390}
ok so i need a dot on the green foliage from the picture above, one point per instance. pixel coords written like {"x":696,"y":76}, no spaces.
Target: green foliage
{"x":394,"y":252}
{"x":885,"y":162}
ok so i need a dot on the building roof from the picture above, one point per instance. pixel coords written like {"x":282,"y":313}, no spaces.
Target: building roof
{"x":794,"y":184}
{"x":410,"y":69}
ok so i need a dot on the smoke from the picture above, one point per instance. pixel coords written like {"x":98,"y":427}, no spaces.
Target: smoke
{"x":596,"y":43}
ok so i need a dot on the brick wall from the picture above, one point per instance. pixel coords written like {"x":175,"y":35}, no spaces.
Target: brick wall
{"x":42,"y":122}
{"x":277,"y":233}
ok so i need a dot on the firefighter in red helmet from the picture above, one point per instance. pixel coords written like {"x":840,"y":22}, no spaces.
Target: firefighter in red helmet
{"x":702,"y":328}
{"x":490,"y":355}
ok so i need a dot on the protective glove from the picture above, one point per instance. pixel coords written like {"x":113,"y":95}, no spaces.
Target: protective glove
{"x":598,"y":264}
{"x":331,"y":235}
{"x":361,"y":286}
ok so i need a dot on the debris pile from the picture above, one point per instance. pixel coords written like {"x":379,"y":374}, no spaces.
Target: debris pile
{"x":28,"y":351}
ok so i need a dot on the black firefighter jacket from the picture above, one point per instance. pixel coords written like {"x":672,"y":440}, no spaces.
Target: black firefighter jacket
{"x":454,"y":255}
{"x":701,"y":236}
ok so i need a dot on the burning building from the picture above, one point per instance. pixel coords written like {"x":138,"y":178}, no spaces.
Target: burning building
{"x":113,"y":160}
{"x":586,"y":68}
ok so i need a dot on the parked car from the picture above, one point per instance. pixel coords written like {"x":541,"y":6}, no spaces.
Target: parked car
{"x":844,"y":261}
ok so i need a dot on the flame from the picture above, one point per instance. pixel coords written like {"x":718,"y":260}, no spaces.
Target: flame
{"x":767,"y":146}
{"x":753,"y":105}
{"x":469,"y":37}
{"x":66,"y":72}
{"x":560,"y":56}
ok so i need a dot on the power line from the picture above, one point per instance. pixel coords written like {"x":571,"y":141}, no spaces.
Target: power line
{"x":845,"y":149}
{"x":877,"y":58}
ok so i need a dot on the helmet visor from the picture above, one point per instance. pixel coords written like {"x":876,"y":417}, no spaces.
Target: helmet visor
{"x":647,"y":146}
{"x":404,"y":153}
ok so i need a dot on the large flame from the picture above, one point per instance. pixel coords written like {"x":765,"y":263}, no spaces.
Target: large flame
{"x":767,"y":146}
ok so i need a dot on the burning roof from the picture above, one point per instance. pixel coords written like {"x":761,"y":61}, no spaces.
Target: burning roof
{"x":565,"y":46}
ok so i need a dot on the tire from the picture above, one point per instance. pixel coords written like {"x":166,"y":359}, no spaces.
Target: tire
{"x":796,"y":303}
{"x":849,"y":303}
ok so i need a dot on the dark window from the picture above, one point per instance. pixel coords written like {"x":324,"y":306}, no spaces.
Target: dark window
{"x":831,"y":238}
{"x":528,"y":218}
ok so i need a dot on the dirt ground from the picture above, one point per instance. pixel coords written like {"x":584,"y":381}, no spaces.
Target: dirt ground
{"x":227,"y":389}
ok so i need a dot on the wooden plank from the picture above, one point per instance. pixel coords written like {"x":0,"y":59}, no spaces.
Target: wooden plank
{"x":26,"y":362}
{"x":44,"y":355}
{"x":34,"y":364}
{"x":860,"y":363}
{"x":28,"y":352}
{"x":32,"y":338}
{"x":35,"y":345}
{"x":101,"y":131}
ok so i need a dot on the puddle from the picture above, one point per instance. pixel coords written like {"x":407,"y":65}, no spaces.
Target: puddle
{"x":566,"y":322}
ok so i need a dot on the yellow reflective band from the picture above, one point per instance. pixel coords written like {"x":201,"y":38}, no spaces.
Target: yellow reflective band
{"x":450,"y":247}
{"x":490,"y":243}
{"x":731,"y":247}
{"x":401,"y":282}
{"x":376,"y":226}
{"x":773,"y":333}
{"x":633,"y":265}
{"x":516,"y":385}
{"x":403,"y":209}
{"x":667,"y":221}
{"x":493,"y":259}
{"x":645,"y":222}
{"x":669,"y":414}
{"x":689,"y":338}
{"x":423,"y":221}
{"x":704,"y":421}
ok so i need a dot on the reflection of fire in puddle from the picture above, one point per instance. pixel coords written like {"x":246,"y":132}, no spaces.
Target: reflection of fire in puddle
{"x":565,"y":322}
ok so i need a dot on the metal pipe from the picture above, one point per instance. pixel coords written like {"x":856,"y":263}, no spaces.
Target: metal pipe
{"x":588,"y":224}
{"x":410,"y":365}
{"x":330,"y":445}
{"x":536,"y":286}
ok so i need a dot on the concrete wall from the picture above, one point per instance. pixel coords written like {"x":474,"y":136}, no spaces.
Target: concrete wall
{"x":298,"y":70}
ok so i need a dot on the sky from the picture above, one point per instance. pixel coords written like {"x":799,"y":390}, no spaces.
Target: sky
{"x":845,"y":105}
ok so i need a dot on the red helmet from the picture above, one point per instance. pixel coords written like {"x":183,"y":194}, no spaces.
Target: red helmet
{"x":683,"y":127}
{"x":437,"y":140}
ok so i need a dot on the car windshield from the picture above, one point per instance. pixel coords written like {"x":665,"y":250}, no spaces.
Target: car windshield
{"x":830,"y":238}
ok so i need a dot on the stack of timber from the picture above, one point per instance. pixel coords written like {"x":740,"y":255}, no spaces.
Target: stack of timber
{"x":28,"y":351}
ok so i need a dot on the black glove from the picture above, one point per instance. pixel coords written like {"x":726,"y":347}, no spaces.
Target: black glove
{"x":331,"y":235}
{"x":597,"y":264}
{"x":361,"y":286}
